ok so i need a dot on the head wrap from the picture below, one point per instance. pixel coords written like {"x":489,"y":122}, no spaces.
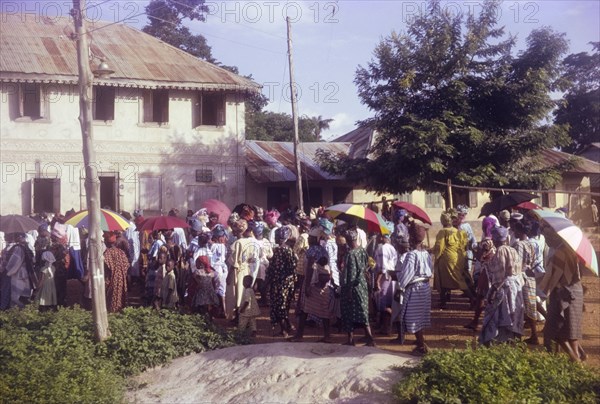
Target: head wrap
{"x":247,"y":213}
{"x":505,"y":215}
{"x":306,"y":223}
{"x":316,"y":232}
{"x":59,"y":231}
{"x":499,"y":234}
{"x":326,"y":225}
{"x":351,"y":235}
{"x":240,"y":226}
{"x":259,"y":213}
{"x":417,"y":233}
{"x":257,"y":228}
{"x":203,"y":259}
{"x":196,"y":225}
{"x":271,"y":217}
{"x":516,"y":216}
{"x":446,"y":219}
{"x":218,"y":231}
{"x":234,"y":217}
{"x":137,"y":212}
{"x":400,"y":213}
{"x":487,"y":224}
{"x":282,"y":234}
{"x":462,"y":209}
{"x":486,"y":249}
{"x":204,"y":238}
{"x":48,"y":256}
{"x":110,"y":237}
{"x":43,"y":227}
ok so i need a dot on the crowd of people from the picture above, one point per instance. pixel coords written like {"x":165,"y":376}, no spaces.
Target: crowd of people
{"x":311,"y":269}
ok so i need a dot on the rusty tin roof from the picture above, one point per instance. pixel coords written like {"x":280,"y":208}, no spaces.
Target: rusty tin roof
{"x":274,"y":161}
{"x":40,"y":49}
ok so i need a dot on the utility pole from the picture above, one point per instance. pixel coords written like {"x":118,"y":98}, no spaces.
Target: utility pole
{"x":95,"y":262}
{"x":295,"y":118}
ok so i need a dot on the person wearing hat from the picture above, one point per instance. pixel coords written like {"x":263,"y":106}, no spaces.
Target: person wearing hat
{"x":46,"y":294}
{"x":450,"y":258}
{"x":504,"y":311}
{"x":413,"y":284}
{"x":281,"y":280}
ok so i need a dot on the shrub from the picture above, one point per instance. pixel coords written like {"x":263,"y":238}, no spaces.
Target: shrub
{"x":500,"y":374}
{"x":52,"y":357}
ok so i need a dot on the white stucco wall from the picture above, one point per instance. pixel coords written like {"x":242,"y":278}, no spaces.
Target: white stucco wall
{"x":125,"y":149}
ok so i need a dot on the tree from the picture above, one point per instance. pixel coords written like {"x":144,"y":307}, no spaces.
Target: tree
{"x":166,"y":23}
{"x":450,"y":101}
{"x":278,"y":127}
{"x":320,"y":125}
{"x":580,"y":108}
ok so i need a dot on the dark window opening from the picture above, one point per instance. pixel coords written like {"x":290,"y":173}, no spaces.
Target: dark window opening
{"x":46,"y":195}
{"x":107,"y":193}
{"x":210,"y":110}
{"x":156,"y":106}
{"x":31,"y":100}
{"x":104,"y":103}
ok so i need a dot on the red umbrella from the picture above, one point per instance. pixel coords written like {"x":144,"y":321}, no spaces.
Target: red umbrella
{"x":163,"y":223}
{"x":414,"y":210}
{"x":528,"y":205}
{"x":214,"y":205}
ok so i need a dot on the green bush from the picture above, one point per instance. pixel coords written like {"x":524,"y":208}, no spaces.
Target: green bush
{"x":501,"y":374}
{"x":52,"y":357}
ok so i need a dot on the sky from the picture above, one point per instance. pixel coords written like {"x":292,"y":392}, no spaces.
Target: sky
{"x":330,"y":40}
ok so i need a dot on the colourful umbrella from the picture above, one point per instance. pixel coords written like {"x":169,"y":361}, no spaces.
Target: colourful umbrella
{"x":17,"y":224}
{"x":214,"y":205}
{"x":163,"y":223}
{"x":527,"y":205}
{"x":572,"y":235}
{"x":505,"y":201}
{"x":350,"y":213}
{"x":109,"y":220}
{"x":414,"y":210}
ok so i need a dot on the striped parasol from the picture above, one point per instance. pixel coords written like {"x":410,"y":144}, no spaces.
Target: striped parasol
{"x":572,"y":235}
{"x":357,"y":213}
{"x":109,"y":220}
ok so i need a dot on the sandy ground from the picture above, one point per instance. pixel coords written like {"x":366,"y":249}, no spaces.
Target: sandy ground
{"x":280,"y":372}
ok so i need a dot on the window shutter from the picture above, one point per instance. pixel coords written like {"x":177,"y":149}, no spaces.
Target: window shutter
{"x":21,"y":100}
{"x":148,"y":106}
{"x":221,"y":112}
{"x":56,"y":194}
{"x":42,"y":96}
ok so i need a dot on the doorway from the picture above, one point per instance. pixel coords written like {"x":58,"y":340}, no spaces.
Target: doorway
{"x":108,"y":193}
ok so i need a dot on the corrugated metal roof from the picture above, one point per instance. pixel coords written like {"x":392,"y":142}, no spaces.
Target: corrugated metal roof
{"x":583,"y":166}
{"x":38,"y":48}
{"x":361,"y":139}
{"x":274,"y":161}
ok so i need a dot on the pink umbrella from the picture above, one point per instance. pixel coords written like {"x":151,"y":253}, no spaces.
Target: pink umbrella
{"x":214,"y":205}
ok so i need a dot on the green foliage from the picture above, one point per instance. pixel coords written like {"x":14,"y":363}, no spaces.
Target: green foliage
{"x":52,"y":357}
{"x":501,"y":374}
{"x":451,"y":101}
{"x":279,"y":127}
{"x":580,"y":107}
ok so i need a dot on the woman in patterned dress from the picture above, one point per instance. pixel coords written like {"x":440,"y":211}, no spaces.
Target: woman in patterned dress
{"x":354,"y":294}
{"x":281,"y":278}
{"x":116,"y":266}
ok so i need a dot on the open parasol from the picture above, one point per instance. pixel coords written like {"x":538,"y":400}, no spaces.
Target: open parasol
{"x":214,"y":205}
{"x":163,"y":223}
{"x":348,"y":212}
{"x":415,"y":211}
{"x":109,"y":220}
{"x":506,"y":201}
{"x":572,"y":235}
{"x":17,"y":224}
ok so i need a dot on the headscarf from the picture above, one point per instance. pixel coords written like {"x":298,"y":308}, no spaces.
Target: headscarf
{"x":247,"y":213}
{"x":462,"y":209}
{"x":204,"y":238}
{"x":203,"y":259}
{"x":196,"y":225}
{"x":516,"y":216}
{"x":282,"y":234}
{"x":49,"y":257}
{"x":486,"y":249}
{"x":218,"y":231}
{"x":400,"y":213}
{"x":234,"y":217}
{"x":505,"y":215}
{"x":417,"y":233}
{"x":316,"y":232}
{"x":499,"y":234}
{"x":59,"y":231}
{"x":271,"y":217}
{"x":446,"y":219}
{"x":351,"y":235}
{"x":240,"y":226}
{"x":487,"y":224}
{"x":110,"y":237}
{"x":326,"y":225}
{"x":257,"y":228}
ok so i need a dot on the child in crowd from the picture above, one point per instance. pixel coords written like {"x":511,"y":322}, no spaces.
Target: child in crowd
{"x":206,"y":297}
{"x":249,"y":309}
{"x":170,"y":297}
{"x":161,"y":272}
{"x":47,"y":287}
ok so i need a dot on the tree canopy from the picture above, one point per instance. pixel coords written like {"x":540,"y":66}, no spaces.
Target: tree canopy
{"x":279,"y":127}
{"x":580,"y":107}
{"x":451,"y":101}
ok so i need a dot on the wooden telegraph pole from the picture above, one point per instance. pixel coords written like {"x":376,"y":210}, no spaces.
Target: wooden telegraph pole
{"x":95,"y":262}
{"x":295,"y":118}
